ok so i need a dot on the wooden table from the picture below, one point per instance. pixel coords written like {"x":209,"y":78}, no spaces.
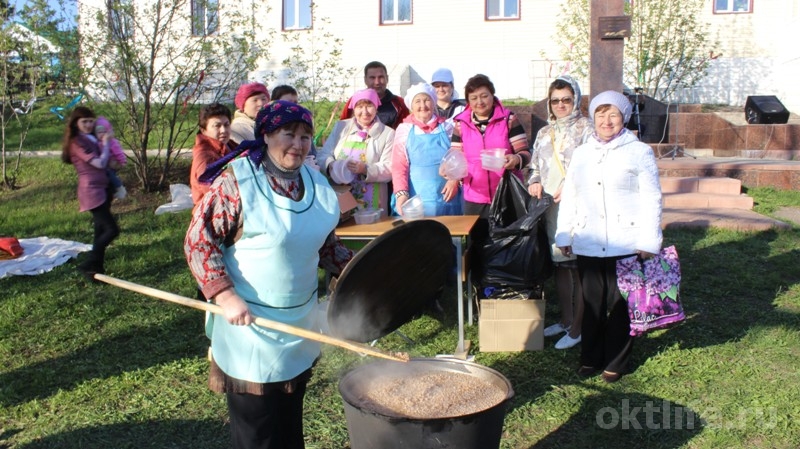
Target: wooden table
{"x":459,"y":227}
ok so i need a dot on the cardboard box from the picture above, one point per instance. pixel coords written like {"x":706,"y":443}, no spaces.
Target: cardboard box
{"x":511,"y":325}
{"x":347,"y":203}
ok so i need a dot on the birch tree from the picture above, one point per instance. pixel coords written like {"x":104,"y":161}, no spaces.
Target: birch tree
{"x":25,"y":62}
{"x":156,"y":60}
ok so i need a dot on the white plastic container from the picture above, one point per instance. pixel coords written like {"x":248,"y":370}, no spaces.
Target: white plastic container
{"x":368,"y":216}
{"x":454,"y":165}
{"x":413,"y":209}
{"x":493,"y":159}
{"x":340,"y":172}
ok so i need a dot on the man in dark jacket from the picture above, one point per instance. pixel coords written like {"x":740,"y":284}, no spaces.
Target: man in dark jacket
{"x":392,"y":109}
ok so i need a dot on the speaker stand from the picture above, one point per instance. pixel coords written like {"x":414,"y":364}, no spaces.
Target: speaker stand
{"x":676,"y":149}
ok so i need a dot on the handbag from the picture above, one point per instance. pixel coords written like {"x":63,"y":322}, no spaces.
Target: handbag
{"x":652,"y":290}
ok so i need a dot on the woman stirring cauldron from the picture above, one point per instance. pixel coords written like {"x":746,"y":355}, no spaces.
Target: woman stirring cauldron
{"x":254,"y":244}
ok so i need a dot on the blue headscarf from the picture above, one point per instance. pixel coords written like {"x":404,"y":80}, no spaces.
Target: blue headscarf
{"x":270,"y":118}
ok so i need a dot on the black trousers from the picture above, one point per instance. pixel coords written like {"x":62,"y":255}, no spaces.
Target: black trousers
{"x":105,"y":231}
{"x":606,"y":342}
{"x":270,"y":421}
{"x":478,"y":237}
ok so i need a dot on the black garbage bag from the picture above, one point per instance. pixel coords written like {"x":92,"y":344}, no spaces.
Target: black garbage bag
{"x":517,"y":252}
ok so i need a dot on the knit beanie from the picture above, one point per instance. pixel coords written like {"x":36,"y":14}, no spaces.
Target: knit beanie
{"x":248,"y":90}
{"x":613,"y":98}
{"x":102,"y":121}
{"x":420,"y":88}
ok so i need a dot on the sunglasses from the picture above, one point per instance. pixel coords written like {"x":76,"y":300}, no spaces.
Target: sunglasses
{"x":566,"y":100}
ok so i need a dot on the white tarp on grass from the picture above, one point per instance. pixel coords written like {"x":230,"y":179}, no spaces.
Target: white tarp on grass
{"x":40,"y":255}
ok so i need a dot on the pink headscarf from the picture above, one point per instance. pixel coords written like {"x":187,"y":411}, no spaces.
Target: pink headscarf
{"x":366,"y":94}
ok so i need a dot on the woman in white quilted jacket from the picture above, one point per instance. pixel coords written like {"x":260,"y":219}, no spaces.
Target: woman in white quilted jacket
{"x":610,"y":209}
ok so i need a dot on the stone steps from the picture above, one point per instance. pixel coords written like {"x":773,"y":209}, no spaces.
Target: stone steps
{"x":703,"y":192}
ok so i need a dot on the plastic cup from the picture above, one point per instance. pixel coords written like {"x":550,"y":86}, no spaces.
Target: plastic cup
{"x":493,"y":159}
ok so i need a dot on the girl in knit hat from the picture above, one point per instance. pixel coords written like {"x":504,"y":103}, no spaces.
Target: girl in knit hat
{"x":102,"y":127}
{"x":254,"y":245}
{"x":250,"y":98}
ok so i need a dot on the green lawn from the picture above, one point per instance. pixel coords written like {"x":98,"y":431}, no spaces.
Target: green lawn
{"x":94,"y":366}
{"x":45,"y":129}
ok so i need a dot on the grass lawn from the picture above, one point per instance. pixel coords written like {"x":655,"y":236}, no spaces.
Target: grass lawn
{"x":45,"y":129}
{"x":94,"y":366}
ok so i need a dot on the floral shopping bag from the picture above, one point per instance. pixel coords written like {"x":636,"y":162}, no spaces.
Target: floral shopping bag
{"x":652,"y":289}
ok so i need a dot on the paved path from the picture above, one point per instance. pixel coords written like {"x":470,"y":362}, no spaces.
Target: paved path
{"x":735,"y":219}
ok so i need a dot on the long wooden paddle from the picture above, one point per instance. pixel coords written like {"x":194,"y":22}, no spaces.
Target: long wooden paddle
{"x":263,"y":322}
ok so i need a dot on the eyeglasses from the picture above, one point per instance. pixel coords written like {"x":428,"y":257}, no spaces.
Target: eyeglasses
{"x":566,"y":101}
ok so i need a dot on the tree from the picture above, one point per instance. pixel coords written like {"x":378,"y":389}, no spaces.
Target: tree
{"x":24,"y":67}
{"x":669,"y":47}
{"x":156,"y":59}
{"x":314,"y":68}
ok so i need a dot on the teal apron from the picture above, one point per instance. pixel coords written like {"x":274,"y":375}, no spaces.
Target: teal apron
{"x":273,"y":267}
{"x":425,"y":153}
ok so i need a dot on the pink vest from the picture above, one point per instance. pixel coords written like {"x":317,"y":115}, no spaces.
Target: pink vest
{"x":480,"y":184}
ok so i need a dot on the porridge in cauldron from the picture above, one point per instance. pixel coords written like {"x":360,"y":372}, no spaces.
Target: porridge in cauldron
{"x":429,"y":395}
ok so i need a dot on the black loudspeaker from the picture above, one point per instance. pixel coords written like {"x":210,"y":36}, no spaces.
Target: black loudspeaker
{"x":763,"y":109}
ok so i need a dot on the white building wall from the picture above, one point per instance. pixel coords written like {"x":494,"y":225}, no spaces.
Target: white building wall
{"x":759,"y":51}
{"x":759,"y":55}
{"x":450,"y":34}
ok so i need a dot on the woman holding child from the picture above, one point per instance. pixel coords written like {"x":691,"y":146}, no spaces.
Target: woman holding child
{"x":90,"y":156}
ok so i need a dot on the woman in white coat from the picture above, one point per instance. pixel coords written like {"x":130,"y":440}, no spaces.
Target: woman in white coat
{"x":359,"y":153}
{"x":610,"y":209}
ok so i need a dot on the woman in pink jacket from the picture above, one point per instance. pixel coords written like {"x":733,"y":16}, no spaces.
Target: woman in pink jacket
{"x":486,"y":124}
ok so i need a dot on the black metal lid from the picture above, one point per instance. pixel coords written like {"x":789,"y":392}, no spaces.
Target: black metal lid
{"x":390,"y":280}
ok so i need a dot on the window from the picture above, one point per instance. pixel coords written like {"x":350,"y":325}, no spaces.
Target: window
{"x":502,"y":9}
{"x":120,"y":19}
{"x":205,"y":17}
{"x":395,"y":11}
{"x":733,"y":6}
{"x":296,"y":14}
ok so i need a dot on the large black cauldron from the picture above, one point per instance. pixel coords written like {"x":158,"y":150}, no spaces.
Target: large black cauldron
{"x":372,"y":430}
